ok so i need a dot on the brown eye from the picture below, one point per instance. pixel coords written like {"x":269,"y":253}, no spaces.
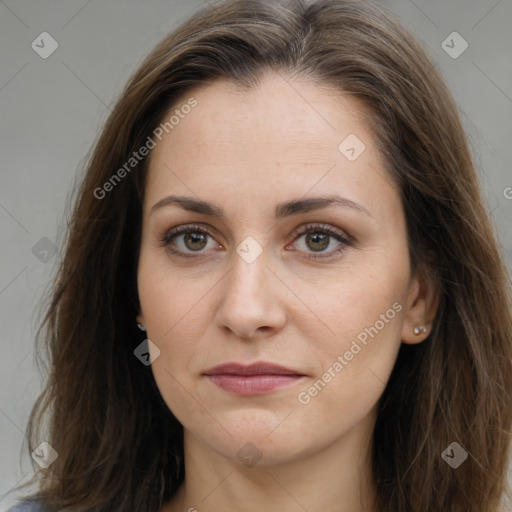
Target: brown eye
{"x":195,"y":241}
{"x":318,"y":238}
{"x":186,"y":240}
{"x":317,"y":241}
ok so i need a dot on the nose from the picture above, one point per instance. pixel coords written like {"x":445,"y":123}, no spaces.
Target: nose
{"x":252,"y":304}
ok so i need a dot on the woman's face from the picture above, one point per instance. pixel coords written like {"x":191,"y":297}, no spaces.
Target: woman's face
{"x":304,"y":265}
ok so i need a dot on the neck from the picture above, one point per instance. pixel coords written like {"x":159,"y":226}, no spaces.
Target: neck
{"x":336,"y":477}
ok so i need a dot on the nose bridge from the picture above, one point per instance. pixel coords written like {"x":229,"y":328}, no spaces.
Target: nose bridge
{"x":251,"y":300}
{"x":249,"y":271}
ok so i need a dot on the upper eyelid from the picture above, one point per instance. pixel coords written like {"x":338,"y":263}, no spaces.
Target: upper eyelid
{"x":331,"y":230}
{"x":300,"y":231}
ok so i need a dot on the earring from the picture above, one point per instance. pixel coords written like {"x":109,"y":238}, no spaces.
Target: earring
{"x":419,"y":329}
{"x":141,"y":327}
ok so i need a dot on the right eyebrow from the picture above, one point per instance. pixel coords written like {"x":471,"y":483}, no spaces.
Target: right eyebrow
{"x":190,"y":204}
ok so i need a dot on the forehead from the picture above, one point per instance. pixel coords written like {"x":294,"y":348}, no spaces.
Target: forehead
{"x":282,"y":135}
{"x":279,"y":111}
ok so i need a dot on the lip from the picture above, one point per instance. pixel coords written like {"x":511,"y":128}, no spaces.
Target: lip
{"x":258,"y":368}
{"x":253,"y":379}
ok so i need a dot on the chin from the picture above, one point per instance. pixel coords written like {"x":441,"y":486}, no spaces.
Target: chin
{"x":261,"y":437}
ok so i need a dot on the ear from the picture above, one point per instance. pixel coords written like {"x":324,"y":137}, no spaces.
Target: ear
{"x":421,"y":307}
{"x":140,"y":319}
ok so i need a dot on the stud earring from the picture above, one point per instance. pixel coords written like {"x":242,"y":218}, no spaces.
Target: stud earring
{"x":419,"y":329}
{"x":141,"y":327}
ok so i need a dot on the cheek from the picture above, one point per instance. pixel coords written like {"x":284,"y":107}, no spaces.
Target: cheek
{"x":365,"y":301}
{"x":355,"y":364}
{"x":167,"y":296}
{"x":364,"y":312}
{"x":174,"y":314}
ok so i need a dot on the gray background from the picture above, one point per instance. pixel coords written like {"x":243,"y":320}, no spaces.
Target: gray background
{"x":52,"y":110}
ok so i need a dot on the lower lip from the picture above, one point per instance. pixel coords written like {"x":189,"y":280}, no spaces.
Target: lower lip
{"x":253,"y":384}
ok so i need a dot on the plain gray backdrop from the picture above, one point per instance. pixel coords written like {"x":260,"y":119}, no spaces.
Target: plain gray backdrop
{"x":53,"y":108}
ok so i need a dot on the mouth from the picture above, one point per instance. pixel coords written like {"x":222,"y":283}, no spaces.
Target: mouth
{"x":253,"y":379}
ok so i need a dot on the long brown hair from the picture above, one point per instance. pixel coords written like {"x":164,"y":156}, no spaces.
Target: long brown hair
{"x":119,"y":447}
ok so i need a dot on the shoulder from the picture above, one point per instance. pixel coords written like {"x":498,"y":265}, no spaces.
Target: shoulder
{"x":27,"y":506}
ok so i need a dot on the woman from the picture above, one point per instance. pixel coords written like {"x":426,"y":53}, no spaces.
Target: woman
{"x":280,"y":289}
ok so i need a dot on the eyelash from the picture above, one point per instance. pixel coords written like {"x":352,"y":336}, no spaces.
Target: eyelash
{"x":345,"y":241}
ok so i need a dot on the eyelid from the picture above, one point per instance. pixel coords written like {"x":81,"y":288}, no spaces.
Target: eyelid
{"x":319,"y":226}
{"x":185,"y":228}
{"x":342,"y":237}
{"x":169,"y":235}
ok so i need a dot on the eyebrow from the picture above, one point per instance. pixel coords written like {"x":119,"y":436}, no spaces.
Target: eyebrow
{"x":282,"y":210}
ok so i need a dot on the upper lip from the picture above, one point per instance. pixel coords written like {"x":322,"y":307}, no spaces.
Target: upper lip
{"x":259,"y":368}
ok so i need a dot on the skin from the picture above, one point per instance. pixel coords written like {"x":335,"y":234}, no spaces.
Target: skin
{"x":246,"y":152}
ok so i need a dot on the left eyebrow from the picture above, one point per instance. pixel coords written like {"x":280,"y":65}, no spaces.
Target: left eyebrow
{"x":282,"y":210}
{"x":315,"y":203}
